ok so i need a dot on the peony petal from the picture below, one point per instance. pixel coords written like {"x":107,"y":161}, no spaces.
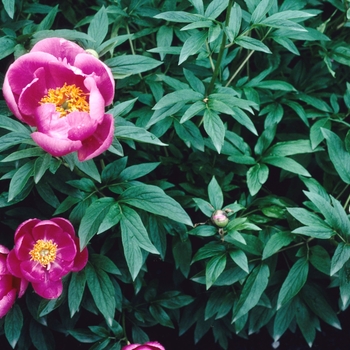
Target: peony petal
{"x":3,"y":249}
{"x":33,"y":271}
{"x":131,"y":347}
{"x":99,"y":141}
{"x":81,"y":126}
{"x":96,"y":101}
{"x":7,"y":302}
{"x":5,"y":285}
{"x":48,"y":289}
{"x":49,"y":121}
{"x":20,"y":73}
{"x":25,"y":228}
{"x":10,"y":99}
{"x":23,"y":284}
{"x":58,"y":269}
{"x":46,"y":230}
{"x":81,"y":258}
{"x":58,"y":47}
{"x":101,"y":73}
{"x":13,"y":264}
{"x":3,"y":267}
{"x":23,"y":247}
{"x":54,"y":146}
{"x":65,"y":225}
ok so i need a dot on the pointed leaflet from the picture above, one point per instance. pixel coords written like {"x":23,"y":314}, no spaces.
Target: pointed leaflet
{"x":340,"y":257}
{"x":288,"y":164}
{"x":154,"y":200}
{"x":13,"y":325}
{"x":338,"y":154}
{"x":102,"y":291}
{"x":295,"y":280}
{"x":134,"y":237}
{"x":254,"y":286}
{"x":216,"y":196}
{"x":215,"y":128}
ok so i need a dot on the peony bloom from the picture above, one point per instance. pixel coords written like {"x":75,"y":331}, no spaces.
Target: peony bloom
{"x":151,"y":345}
{"x":10,"y":285}
{"x":44,"y":252}
{"x":62,"y":90}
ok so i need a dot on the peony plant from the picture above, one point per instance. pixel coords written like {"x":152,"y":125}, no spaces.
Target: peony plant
{"x":151,"y":345}
{"x":10,"y":286}
{"x":44,"y":252}
{"x":62,"y":91}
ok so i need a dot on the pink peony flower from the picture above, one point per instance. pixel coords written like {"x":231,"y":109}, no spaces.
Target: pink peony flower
{"x":151,"y":345}
{"x":10,"y":285}
{"x":62,"y":90}
{"x":44,"y":252}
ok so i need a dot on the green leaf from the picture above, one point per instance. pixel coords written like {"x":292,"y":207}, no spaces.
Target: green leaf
{"x":306,"y":322}
{"x":41,"y":336}
{"x":289,"y":148}
{"x":88,"y":167}
{"x":24,"y":153}
{"x":253,"y":288}
{"x":75,"y":291}
{"x":13,"y":125}
{"x":15,"y":138}
{"x":277,"y":241}
{"x":256,"y":177}
{"x":216,"y":196}
{"x":338,"y":154}
{"x":215,"y":266}
{"x":275,"y":85}
{"x":283,"y":319}
{"x":131,"y":64}
{"x":41,"y":165}
{"x":160,"y":315}
{"x":182,"y":252}
{"x":215,"y":8}
{"x":111,"y":219}
{"x":205,"y":207}
{"x":190,"y":134}
{"x":178,"y":16}
{"x":136,"y":171}
{"x":20,"y":179}
{"x":313,"y":296}
{"x":235,"y":22}
{"x":215,"y":128}
{"x":102,"y":291}
{"x":320,"y":259}
{"x":13,"y":325}
{"x":261,"y":10}
{"x":344,"y":286}
{"x":340,"y":257}
{"x":240,"y":258}
{"x":192,"y":45}
{"x":137,"y":134}
{"x":9,"y":6}
{"x":153,"y":199}
{"x":186,"y":95}
{"x":98,"y":27}
{"x":265,"y":139}
{"x":195,"y":83}
{"x":295,"y":280}
{"x":134,"y":237}
{"x":250,"y":43}
{"x":193,"y":110}
{"x":288,"y":164}
{"x":93,"y":218}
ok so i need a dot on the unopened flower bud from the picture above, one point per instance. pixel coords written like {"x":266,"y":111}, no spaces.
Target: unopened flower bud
{"x":92,"y":52}
{"x":219,"y":218}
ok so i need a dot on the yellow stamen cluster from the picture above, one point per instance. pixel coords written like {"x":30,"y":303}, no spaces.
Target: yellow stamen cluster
{"x":44,"y":252}
{"x":68,"y":98}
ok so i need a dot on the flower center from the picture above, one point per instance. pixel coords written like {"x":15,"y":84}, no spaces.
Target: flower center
{"x":44,"y":252}
{"x":68,"y":98}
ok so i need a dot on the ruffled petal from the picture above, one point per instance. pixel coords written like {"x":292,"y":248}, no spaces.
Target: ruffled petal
{"x":11,"y":99}
{"x":33,"y":271}
{"x":65,"y":225}
{"x":99,"y":141}
{"x":23,"y":247}
{"x":54,"y":146}
{"x":101,"y":73}
{"x":81,"y":126}
{"x":96,"y":101}
{"x":48,"y":289}
{"x":25,"y":228}
{"x":14,"y":265}
{"x":60,"y":48}
{"x":7,"y":302}
{"x":46,"y":230}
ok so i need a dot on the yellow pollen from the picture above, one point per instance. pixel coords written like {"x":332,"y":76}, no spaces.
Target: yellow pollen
{"x":44,"y":252}
{"x":68,"y":98}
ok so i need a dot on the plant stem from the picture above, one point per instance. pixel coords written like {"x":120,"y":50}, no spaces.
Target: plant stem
{"x":221,"y":51}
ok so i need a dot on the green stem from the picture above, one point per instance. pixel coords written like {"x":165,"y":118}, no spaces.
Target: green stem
{"x":221,"y":51}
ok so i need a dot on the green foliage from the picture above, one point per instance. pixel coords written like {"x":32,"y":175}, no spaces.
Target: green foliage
{"x":237,"y":106}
